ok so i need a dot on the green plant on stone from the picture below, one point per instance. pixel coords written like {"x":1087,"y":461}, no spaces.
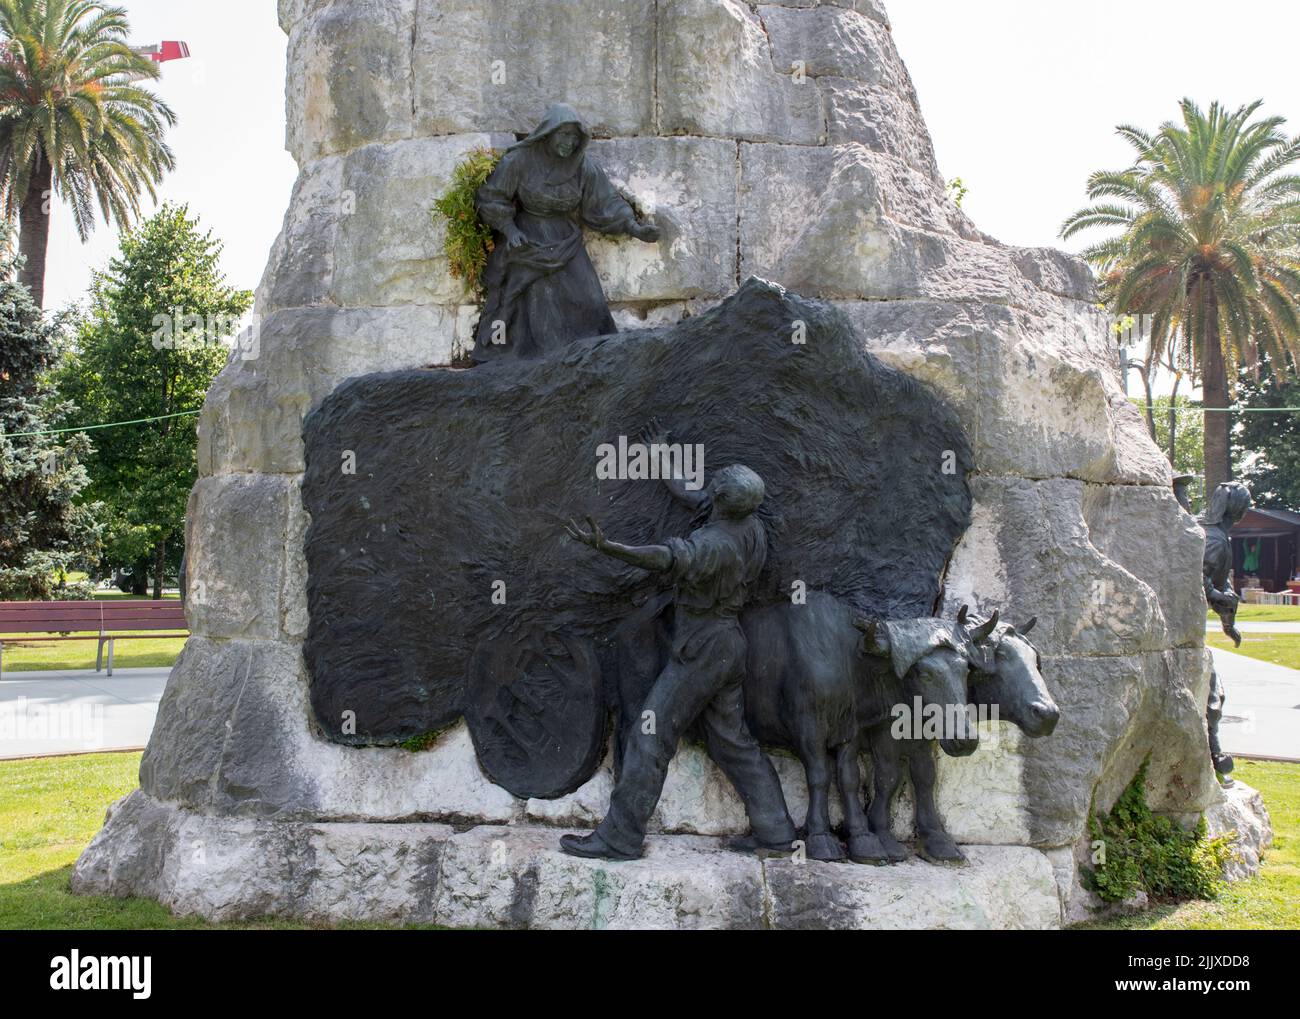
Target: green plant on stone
{"x":1138,"y":850}
{"x":424,"y":741}
{"x":469,"y":239}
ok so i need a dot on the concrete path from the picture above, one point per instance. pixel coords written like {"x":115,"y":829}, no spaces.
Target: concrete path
{"x":1251,"y":626}
{"x":1262,"y":712}
{"x":45,"y":713}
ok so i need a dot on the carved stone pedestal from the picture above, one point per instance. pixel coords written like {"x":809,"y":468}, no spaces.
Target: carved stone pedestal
{"x":229,"y":869}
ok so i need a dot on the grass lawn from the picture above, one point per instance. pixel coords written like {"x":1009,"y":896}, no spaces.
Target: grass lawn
{"x":1263,"y":614}
{"x":50,"y":808}
{"x":70,"y":654}
{"x":1278,"y":648}
{"x":1270,"y":901}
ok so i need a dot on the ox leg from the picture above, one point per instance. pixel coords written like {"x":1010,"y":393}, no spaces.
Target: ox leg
{"x":864,"y":847}
{"x":820,"y":843}
{"x":887,"y":772}
{"x":937,"y":845}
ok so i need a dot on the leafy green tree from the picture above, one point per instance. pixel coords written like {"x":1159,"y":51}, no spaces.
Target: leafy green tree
{"x":1266,"y":445}
{"x":149,"y":346}
{"x":1208,"y":245}
{"x":44,"y":533}
{"x":73,"y":123}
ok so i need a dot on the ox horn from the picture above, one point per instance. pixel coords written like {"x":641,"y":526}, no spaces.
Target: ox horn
{"x":1028,"y":626}
{"x":875,"y":638}
{"x":982,"y":631}
{"x":961,"y":615}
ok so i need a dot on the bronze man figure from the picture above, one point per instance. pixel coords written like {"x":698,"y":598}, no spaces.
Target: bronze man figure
{"x":1229,"y":504}
{"x":713,"y":571}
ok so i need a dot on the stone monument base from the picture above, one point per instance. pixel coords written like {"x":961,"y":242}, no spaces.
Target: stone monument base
{"x":514,"y":876}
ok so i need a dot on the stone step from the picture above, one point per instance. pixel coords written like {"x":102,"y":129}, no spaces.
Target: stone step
{"x":514,"y":876}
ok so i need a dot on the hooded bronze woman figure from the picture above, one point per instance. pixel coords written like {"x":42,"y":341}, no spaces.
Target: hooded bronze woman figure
{"x":542,"y":290}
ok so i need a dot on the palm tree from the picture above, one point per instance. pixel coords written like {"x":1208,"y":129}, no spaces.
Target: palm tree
{"x":1208,"y":245}
{"x":73,"y":123}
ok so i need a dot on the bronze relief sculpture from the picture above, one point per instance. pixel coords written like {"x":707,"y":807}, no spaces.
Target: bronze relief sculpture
{"x":456,"y":527}
{"x":542,"y":290}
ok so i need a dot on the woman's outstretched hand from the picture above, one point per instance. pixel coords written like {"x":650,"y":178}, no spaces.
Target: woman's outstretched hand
{"x":647,"y":232}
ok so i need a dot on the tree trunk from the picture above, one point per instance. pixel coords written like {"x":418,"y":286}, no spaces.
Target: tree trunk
{"x":34,"y":232}
{"x":1151,"y":405}
{"x":140,"y":578}
{"x":1173,"y":423}
{"x":1214,"y":382}
{"x":159,"y":564}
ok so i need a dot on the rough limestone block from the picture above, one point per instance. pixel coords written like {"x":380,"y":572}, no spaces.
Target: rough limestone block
{"x":1039,"y":392}
{"x":1028,"y":553}
{"x":235,"y":530}
{"x":349,"y":80}
{"x":1241,"y":810}
{"x":982,"y":798}
{"x":484,"y":65}
{"x":301,"y":264}
{"x":687,"y":186}
{"x":502,"y":877}
{"x":1145,"y":531}
{"x":1056,"y":272}
{"x":293,"y":595}
{"x":642,"y":316}
{"x":389,"y":249}
{"x":1115,"y":710}
{"x":833,"y":41}
{"x":234,"y":737}
{"x":815,"y":220}
{"x":228,"y":869}
{"x":289,"y":12}
{"x":716,"y":77}
{"x":1003,"y":887}
{"x":880,"y":118}
{"x":252,"y":417}
{"x":184,"y":752}
{"x":872,"y":8}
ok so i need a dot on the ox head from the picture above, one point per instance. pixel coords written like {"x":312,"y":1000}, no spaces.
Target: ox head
{"x":1006,"y":671}
{"x":930,"y":659}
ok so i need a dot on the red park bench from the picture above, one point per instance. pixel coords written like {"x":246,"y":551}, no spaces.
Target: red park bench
{"x":111,"y":620}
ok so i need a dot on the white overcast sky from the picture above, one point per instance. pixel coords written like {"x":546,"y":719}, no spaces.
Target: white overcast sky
{"x":1021,"y":96}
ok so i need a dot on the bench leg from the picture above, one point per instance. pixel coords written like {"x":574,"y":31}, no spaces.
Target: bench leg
{"x":99,"y":655}
{"x":110,"y":655}
{"x":2,"y":659}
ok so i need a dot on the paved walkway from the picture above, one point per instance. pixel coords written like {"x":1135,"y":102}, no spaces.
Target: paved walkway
{"x":1252,"y":626}
{"x":1262,"y":712}
{"x":43,"y":713}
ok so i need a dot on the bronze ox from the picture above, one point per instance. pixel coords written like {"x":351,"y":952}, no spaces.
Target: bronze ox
{"x":825,"y":683}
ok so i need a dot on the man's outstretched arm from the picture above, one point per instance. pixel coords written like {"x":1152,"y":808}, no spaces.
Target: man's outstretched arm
{"x":654,"y":434}
{"x":649,"y":557}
